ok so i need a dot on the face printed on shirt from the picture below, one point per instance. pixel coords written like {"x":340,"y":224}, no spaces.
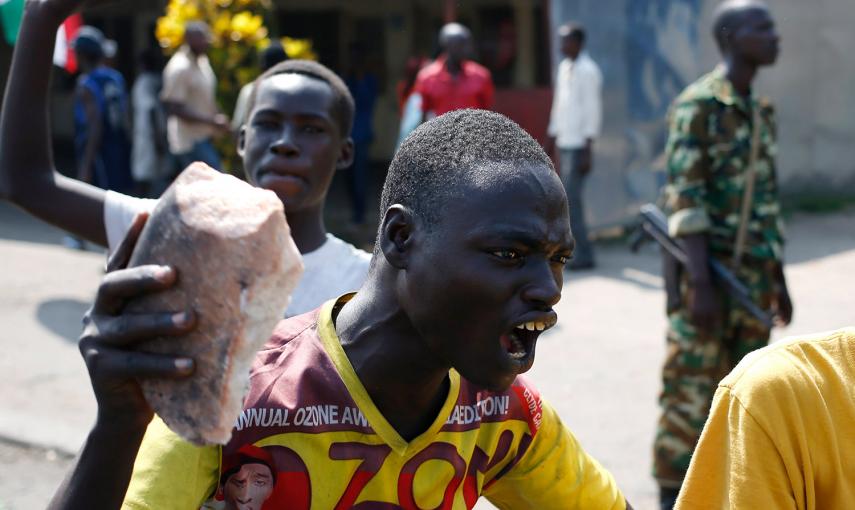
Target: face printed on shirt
{"x":249,"y":488}
{"x":481,"y":286}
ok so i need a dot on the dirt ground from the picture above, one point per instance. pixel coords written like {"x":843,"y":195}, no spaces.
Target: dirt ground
{"x":30,"y":475}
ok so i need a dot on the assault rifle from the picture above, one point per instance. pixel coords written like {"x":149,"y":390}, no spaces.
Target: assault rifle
{"x":655,"y":225}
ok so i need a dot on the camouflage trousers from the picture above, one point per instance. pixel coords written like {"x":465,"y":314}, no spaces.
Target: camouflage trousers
{"x":696,"y":360}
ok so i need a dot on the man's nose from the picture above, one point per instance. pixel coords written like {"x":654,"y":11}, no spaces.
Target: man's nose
{"x":544,"y":288}
{"x":243,"y":495}
{"x":285,"y":143}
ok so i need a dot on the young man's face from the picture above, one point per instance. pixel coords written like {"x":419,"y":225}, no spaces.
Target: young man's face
{"x":249,"y":488}
{"x":291,"y":143}
{"x":198,"y":41}
{"x":457,"y":47}
{"x":571,"y":46}
{"x":756,"y":39}
{"x":489,"y":273}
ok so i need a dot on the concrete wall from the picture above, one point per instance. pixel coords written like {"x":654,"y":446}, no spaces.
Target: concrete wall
{"x":649,"y":50}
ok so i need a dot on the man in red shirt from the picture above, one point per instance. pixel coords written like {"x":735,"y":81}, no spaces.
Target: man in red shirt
{"x":453,"y":82}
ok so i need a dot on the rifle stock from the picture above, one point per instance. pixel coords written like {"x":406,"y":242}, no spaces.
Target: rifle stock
{"x":655,"y":224}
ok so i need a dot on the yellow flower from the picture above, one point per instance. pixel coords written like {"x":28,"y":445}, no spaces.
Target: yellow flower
{"x":190,"y":12}
{"x":222,"y":25}
{"x":299,"y":49}
{"x":169,"y":32}
{"x":245,"y":25}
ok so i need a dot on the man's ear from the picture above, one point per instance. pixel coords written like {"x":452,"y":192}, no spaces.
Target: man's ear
{"x":345,"y":155}
{"x":398,"y":235}
{"x":241,"y":143}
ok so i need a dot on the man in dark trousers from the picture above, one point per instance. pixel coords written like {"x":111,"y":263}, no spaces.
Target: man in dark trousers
{"x":574,"y":124}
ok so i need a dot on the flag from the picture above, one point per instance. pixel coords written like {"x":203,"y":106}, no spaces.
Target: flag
{"x":11,"y":12}
{"x":63,"y":53}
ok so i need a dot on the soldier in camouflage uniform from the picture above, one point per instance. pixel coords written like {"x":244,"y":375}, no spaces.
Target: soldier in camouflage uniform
{"x":709,"y":148}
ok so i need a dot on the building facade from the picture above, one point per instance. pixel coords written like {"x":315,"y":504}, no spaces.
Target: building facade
{"x":648,"y":51}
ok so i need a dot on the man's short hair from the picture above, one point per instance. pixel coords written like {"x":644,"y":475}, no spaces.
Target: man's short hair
{"x":197,"y":27}
{"x":574,"y":30}
{"x":272,"y":55}
{"x":453,"y":29}
{"x":441,"y":155}
{"x":343,"y":106}
{"x":728,"y":16}
{"x":90,"y":43}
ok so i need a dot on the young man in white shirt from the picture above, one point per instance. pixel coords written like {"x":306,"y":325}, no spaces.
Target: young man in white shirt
{"x":573,"y":125}
{"x":296,"y":137}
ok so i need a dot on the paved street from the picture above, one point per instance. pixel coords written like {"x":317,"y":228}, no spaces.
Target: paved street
{"x":599,"y":367}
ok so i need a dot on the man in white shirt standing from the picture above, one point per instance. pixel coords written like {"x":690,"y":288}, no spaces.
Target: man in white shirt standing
{"x":188,"y":95}
{"x":573,"y":125}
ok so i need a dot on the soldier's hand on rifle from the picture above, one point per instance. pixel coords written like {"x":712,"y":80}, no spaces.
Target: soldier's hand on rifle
{"x":704,"y":306}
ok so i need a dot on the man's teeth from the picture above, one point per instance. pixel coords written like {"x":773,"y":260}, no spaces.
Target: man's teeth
{"x":519,"y":349}
{"x":533,"y":326}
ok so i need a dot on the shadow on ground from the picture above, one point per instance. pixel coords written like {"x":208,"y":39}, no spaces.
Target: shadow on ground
{"x":809,"y":237}
{"x":17,"y":225}
{"x":62,"y":317}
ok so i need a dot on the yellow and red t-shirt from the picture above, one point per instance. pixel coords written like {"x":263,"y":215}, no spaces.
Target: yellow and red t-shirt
{"x":311,"y":428}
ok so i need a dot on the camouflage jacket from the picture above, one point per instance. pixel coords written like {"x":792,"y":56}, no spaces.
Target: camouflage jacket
{"x":708,"y":150}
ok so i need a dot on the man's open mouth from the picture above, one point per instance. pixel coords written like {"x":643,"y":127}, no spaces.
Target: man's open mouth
{"x":519,"y":342}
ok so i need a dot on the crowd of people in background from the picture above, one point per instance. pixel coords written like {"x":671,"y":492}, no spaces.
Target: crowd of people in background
{"x":137,"y":145}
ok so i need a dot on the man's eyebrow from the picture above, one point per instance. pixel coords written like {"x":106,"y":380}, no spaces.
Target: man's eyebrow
{"x":265,"y":111}
{"x":529,"y":237}
{"x":278,"y":113}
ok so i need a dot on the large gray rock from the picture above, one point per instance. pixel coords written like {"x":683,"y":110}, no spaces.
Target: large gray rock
{"x":237,"y":266}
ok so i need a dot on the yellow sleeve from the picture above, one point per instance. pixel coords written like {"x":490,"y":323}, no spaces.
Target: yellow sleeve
{"x":736,"y":463}
{"x":556,"y":473}
{"x":171,"y":473}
